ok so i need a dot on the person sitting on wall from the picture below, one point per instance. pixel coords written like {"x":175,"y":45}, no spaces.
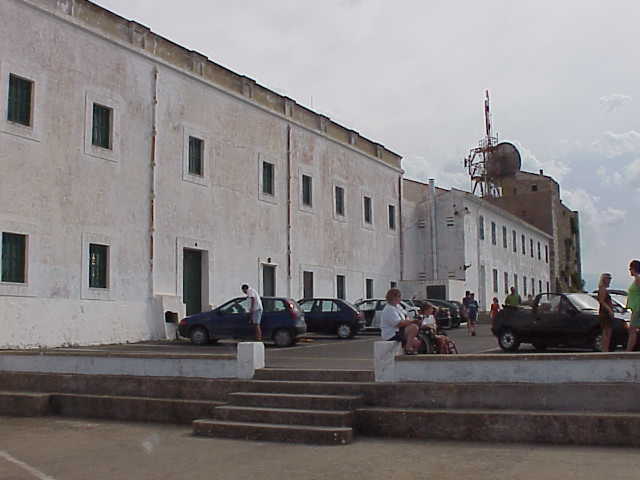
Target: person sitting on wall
{"x":395,"y":327}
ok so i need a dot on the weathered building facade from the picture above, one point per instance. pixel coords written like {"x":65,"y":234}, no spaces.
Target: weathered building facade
{"x":536,"y":199}
{"x":139,"y":178}
{"x":452,"y":237}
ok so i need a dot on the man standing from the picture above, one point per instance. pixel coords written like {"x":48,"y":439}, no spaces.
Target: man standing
{"x":472,"y":313}
{"x":513,"y":299}
{"x":255,"y":309}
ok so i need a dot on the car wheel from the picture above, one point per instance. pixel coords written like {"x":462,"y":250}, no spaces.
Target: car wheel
{"x":283,"y":338}
{"x":508,"y":341}
{"x":199,"y":336}
{"x":539,"y":346}
{"x":345,"y":331}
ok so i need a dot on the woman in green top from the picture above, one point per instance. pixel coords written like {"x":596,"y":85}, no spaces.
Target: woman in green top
{"x":633,"y":302}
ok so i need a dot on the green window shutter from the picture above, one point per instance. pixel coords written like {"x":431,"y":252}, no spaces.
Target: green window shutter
{"x":20,"y":95}
{"x":340,"y":201}
{"x":101,"y":132}
{"x":98,"y":265}
{"x":195,"y":155}
{"x":14,"y":257}
{"x":367,"y":210}
{"x":392,"y":217}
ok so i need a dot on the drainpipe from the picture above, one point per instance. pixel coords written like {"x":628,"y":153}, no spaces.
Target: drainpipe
{"x":289,"y":178}
{"x":434,"y":233}
{"x":400,"y":227}
{"x":154,"y":134}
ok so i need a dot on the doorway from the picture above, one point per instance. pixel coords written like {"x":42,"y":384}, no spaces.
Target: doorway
{"x":268,"y":280}
{"x":192,"y":280}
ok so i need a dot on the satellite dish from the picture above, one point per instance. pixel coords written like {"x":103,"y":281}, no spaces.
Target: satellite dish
{"x":504,"y":161}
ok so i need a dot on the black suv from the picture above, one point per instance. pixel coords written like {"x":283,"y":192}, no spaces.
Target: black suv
{"x":331,"y":315}
{"x":282,"y":321}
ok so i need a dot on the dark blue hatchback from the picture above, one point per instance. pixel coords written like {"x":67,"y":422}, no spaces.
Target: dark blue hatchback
{"x":282,"y":322}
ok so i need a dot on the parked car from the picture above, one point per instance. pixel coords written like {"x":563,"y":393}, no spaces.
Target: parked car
{"x":282,"y":322}
{"x":556,"y":319}
{"x":331,"y":315}
{"x":372,"y":310}
{"x":619,"y":296}
{"x":619,"y":309}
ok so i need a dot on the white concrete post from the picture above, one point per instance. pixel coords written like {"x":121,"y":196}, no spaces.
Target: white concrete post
{"x":250,"y":357}
{"x":385,"y":360}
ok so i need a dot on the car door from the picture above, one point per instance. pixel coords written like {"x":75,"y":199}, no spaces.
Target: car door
{"x":310,"y":316}
{"x":550,"y":320}
{"x":328,"y":315}
{"x":233,"y":320}
{"x":377,"y":319}
{"x":368,"y":309}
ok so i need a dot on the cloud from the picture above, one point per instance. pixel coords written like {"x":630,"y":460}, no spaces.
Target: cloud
{"x":610,"y":178}
{"x":531,"y":163}
{"x":446,"y":173}
{"x":593,"y":214}
{"x":614,"y":101}
{"x":613,"y":145}
{"x":632,"y":173}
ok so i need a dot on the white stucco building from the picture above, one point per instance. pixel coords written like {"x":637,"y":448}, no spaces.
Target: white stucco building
{"x":137,"y":175}
{"x":455,"y":241}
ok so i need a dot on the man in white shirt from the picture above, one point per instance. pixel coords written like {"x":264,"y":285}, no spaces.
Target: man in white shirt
{"x":394,"y":319}
{"x":255,"y":309}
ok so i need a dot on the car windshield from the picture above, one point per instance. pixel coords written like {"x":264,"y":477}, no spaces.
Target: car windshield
{"x":583,"y":301}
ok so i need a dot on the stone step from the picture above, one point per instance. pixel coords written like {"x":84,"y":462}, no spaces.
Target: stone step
{"x":24,"y":404}
{"x":311,"y":375}
{"x":128,"y":408}
{"x":295,"y":401}
{"x":285,"y":416}
{"x":274,"y":432}
{"x":577,"y":428}
{"x":308,"y":387}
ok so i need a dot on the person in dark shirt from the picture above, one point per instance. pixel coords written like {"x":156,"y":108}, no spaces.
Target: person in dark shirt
{"x":472,"y":313}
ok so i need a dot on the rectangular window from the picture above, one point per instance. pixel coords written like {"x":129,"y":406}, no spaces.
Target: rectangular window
{"x":481,"y":227}
{"x":539,"y":252}
{"x":524,"y":284}
{"x":367,"y":211}
{"x":493,"y":233}
{"x":101,"y":131}
{"x":307,"y":190}
{"x":539,"y":286}
{"x":340,"y":201}
{"x":531,"y":247}
{"x":533,"y":287}
{"x":307,"y":287}
{"x":98,"y":265}
{"x":269,"y":280}
{"x":515,"y":243}
{"x":495,"y":280}
{"x":267,"y":178}
{"x":524,"y":246}
{"x":196,"y":152}
{"x":341,"y":291}
{"x":393,"y":284}
{"x":504,"y":237}
{"x":14,"y":258}
{"x":506,"y":282}
{"x":20,"y":99}
{"x":369,"y":288}
{"x":392,"y":217}
{"x":546,"y":255}
{"x":515,"y":281}
{"x":547,"y":286}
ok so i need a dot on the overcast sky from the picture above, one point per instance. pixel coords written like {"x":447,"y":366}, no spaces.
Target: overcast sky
{"x":564,"y":79}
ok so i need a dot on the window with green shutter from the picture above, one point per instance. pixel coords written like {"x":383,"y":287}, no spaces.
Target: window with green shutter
{"x":101,"y":131}
{"x":20,"y":97}
{"x":14,"y":257}
{"x":98,"y":265}
{"x":367,"y":211}
{"x":196,"y":151}
{"x":340,"y":202}
{"x":267,"y":178}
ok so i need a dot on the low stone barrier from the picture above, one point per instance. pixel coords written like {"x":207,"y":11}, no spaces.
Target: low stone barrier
{"x":391,"y":366}
{"x":249,"y":358}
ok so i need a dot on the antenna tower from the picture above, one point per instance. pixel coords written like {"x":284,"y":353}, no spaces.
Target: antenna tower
{"x":476,"y":161}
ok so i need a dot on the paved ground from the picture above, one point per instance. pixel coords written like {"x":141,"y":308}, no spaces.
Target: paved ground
{"x":316,"y":351}
{"x":65,"y":449}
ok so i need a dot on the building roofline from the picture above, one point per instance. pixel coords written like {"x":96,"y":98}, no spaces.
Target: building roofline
{"x":140,"y":39}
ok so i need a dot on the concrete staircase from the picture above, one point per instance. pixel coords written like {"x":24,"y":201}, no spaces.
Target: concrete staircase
{"x":272,"y":412}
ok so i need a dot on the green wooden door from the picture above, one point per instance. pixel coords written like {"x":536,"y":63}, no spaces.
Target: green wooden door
{"x":192,"y":281}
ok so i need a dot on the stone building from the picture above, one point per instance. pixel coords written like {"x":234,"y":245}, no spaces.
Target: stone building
{"x":140,"y":179}
{"x":536,"y":199}
{"x":455,"y":241}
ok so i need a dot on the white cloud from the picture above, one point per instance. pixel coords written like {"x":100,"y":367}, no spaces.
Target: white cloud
{"x":592,"y":213}
{"x":614,"y":145}
{"x":531,"y":163}
{"x":614,"y":101}
{"x":632,"y":173}
{"x":610,"y":178}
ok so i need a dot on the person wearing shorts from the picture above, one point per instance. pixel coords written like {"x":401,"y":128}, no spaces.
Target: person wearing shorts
{"x":633,"y":303}
{"x":255,"y":309}
{"x":395,"y":327}
{"x":606,"y":310}
{"x":472,"y":313}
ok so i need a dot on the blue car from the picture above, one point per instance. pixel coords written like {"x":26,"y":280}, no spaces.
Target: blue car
{"x":282,"y":322}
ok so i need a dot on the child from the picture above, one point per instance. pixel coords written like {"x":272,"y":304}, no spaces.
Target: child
{"x":495,"y":308}
{"x":426,"y":312}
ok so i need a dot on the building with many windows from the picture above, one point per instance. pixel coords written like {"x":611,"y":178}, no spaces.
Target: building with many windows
{"x":455,"y":241}
{"x":141,"y":180}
